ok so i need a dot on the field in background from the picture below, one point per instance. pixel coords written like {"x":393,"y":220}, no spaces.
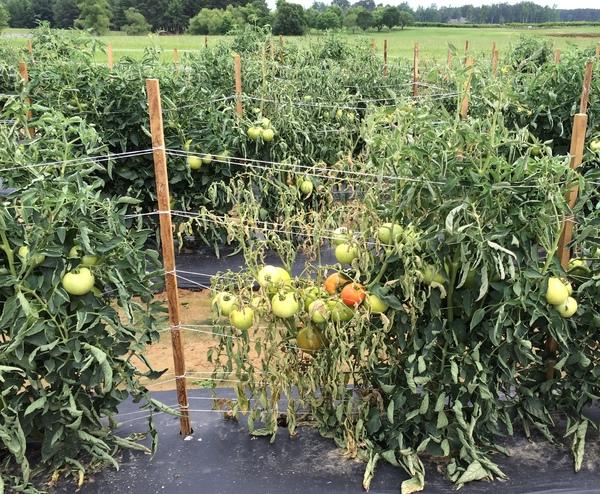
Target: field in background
{"x":433,"y":40}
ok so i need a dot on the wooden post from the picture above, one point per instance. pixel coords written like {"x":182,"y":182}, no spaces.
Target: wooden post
{"x":281,"y":40}
{"x":109,"y":54}
{"x":416,"y":70}
{"x":205,"y":41}
{"x":466,"y":47}
{"x":556,"y":56}
{"x":449,"y":58}
{"x":385,"y":58}
{"x":168,"y":250}
{"x":493,"y":49}
{"x":30,"y":47}
{"x":494,"y":62}
{"x":464,"y":106}
{"x":585,"y":91}
{"x":373,"y":45}
{"x":237,"y":72}
{"x":176,"y":58}
{"x":24,"y":73}
{"x":598,"y":50}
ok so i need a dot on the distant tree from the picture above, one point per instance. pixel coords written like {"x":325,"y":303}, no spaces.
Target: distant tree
{"x":367,"y":4}
{"x":364,"y":19}
{"x":378,"y":22}
{"x":94,"y":15}
{"x":342,"y":4}
{"x":289,"y":19}
{"x":405,"y":19}
{"x":42,"y":11}
{"x":330,"y":19}
{"x":117,"y":14}
{"x":4,"y":17}
{"x":390,"y":17}
{"x":20,"y":13}
{"x":136,"y":25}
{"x":319,"y":6}
{"x":211,"y":21}
{"x":351,"y":18}
{"x":175,"y":19}
{"x":65,"y":12}
{"x":311,"y":16}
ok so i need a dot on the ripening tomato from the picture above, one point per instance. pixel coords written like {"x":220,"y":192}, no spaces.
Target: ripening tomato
{"x":334,"y":282}
{"x":310,"y":340}
{"x":353,"y":294}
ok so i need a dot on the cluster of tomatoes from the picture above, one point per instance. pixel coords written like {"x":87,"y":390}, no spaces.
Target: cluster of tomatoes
{"x":559,"y":291}
{"x":336,"y":301}
{"x":261,"y":131}
{"x":78,"y":281}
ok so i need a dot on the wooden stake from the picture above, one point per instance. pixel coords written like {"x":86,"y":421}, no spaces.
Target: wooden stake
{"x":205,"y":41}
{"x":495,"y":62}
{"x":449,"y":58}
{"x":168,"y":250}
{"x":373,"y":45}
{"x":281,"y":40}
{"x":556,"y":56}
{"x":585,"y":91}
{"x":30,"y":47}
{"x":598,"y":50}
{"x":466,"y":47}
{"x":493,"y":49}
{"x":576,"y":152}
{"x":109,"y":53}
{"x":385,"y":58}
{"x":176,"y":58}
{"x":416,"y":70}
{"x":24,"y":73}
{"x":237,"y":72}
{"x":464,"y":106}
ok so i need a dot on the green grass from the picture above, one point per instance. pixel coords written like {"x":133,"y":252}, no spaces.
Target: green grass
{"x":433,"y":41}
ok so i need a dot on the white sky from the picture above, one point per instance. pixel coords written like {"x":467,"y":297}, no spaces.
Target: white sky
{"x":561,"y":4}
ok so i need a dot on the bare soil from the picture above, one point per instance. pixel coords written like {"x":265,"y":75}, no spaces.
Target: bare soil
{"x":195,"y":310}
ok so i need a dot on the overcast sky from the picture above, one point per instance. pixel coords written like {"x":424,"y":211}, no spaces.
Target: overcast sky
{"x":561,"y":4}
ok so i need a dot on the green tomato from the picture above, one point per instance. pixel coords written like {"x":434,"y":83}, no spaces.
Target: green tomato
{"x":242,"y":319}
{"x":595,"y":145}
{"x":318,"y":311}
{"x":267,"y":134}
{"x":89,"y":260}
{"x":341,"y":235}
{"x":310,"y":340}
{"x":375,"y":304}
{"x":309,"y":295}
{"x":74,"y":252}
{"x":389,"y":233}
{"x":225,"y":303}
{"x":207,"y":159}
{"x":556,"y":292}
{"x":306,"y":187}
{"x":346,"y":253}
{"x":194,"y":162}
{"x":567,"y":308}
{"x":339,"y":311}
{"x":25,"y":256}
{"x":273,"y":276}
{"x":254,"y":133}
{"x":431,"y":274}
{"x":284,"y":305}
{"x":265,"y":123}
{"x":80,"y":281}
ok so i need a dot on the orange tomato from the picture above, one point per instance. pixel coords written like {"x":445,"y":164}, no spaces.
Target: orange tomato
{"x":353,"y":295}
{"x":334,"y":282}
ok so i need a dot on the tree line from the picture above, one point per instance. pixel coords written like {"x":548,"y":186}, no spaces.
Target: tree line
{"x":220,"y":16}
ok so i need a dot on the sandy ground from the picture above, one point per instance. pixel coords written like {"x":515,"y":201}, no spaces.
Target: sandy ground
{"x":195,"y":310}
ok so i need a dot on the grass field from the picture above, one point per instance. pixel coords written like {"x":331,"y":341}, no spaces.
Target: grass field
{"x":432,"y":40}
